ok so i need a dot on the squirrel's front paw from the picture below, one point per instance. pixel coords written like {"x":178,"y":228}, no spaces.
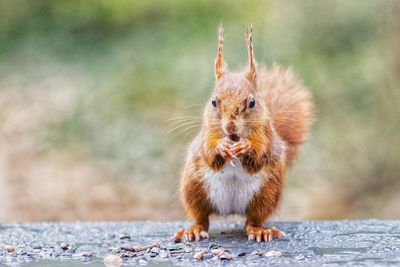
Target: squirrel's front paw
{"x":263,"y":234}
{"x":242,"y":147}
{"x":224,"y":148}
{"x":196,"y":232}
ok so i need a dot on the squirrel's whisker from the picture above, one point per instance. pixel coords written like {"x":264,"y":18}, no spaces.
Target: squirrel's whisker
{"x":181,"y":118}
{"x":194,"y":106}
{"x":187,"y":129}
{"x":183,"y":125}
{"x":189,"y":133}
{"x":172,"y":124}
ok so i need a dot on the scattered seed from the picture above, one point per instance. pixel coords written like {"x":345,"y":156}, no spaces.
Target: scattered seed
{"x":113,"y":261}
{"x":217,"y":251}
{"x":273,"y":253}
{"x":225,"y":256}
{"x":64,"y":245}
{"x":9,"y":248}
{"x":199,"y":255}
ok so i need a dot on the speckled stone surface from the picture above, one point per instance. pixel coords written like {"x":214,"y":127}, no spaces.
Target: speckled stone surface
{"x":309,"y":243}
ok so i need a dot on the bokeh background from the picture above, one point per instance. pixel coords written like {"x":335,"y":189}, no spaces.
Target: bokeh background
{"x":88,"y":90}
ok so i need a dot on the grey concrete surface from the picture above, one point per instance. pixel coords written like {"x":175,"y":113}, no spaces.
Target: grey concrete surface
{"x":309,"y":243}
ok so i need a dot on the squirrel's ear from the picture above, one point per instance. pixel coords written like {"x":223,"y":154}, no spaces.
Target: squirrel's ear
{"x":251,"y":69}
{"x":219,"y":67}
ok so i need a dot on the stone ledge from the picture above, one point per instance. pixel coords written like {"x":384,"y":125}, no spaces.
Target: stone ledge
{"x":308,"y":243}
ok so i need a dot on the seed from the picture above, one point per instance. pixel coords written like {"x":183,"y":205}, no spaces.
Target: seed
{"x":112,"y":261}
{"x":273,"y":253}
{"x":217,"y":251}
{"x":199,"y":255}
{"x":225,"y":256}
{"x":9,"y":248}
{"x":64,"y":245}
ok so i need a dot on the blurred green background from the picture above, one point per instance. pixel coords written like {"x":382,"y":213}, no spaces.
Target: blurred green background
{"x":87,"y":89}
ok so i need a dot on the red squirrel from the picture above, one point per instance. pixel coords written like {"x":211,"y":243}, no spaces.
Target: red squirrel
{"x":252,"y":127}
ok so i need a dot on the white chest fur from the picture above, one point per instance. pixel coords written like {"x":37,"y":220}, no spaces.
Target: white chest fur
{"x":231,"y":189}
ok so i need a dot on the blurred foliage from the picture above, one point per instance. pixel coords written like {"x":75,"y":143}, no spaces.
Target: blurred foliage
{"x":144,"y":62}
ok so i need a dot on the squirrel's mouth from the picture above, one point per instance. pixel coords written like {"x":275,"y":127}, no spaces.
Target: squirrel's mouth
{"x":234,"y":137}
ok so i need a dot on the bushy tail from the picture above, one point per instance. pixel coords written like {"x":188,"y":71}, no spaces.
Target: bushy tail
{"x":290,"y":106}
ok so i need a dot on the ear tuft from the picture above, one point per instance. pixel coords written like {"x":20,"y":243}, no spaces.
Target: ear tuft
{"x":219,"y":67}
{"x":251,"y":69}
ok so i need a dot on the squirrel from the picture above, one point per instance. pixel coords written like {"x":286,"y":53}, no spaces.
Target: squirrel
{"x":252,"y":127}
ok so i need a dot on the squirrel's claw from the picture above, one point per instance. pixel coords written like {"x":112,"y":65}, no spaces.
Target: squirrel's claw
{"x":196,"y":233}
{"x":204,"y":234}
{"x":179,"y":235}
{"x":224,"y":149}
{"x":263,"y":234}
{"x":241,"y":147}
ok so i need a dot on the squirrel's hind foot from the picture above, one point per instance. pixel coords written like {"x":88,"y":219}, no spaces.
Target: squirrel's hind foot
{"x":263,"y":234}
{"x":196,"y":233}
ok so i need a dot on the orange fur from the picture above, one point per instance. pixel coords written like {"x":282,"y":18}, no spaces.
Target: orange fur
{"x":264,"y":137}
{"x":289,"y":105}
{"x":194,"y":194}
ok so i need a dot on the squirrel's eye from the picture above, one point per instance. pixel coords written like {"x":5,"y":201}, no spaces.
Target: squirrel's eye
{"x":214,"y":103}
{"x":252,"y":103}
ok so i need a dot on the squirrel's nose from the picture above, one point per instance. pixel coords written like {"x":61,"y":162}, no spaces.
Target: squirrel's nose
{"x":231,"y":127}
